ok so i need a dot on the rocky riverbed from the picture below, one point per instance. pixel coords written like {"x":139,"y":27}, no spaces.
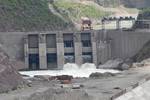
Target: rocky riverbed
{"x":79,"y":88}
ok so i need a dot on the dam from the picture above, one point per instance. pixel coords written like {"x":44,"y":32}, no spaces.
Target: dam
{"x":53,"y":49}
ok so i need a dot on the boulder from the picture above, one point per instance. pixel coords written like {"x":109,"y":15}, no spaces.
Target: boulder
{"x":112,"y":64}
{"x":118,"y":64}
{"x":129,"y":61}
{"x":124,"y":66}
{"x":101,"y":75}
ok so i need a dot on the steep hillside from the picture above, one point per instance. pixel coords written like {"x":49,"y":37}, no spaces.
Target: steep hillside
{"x":29,"y":15}
{"x":127,"y":3}
{"x":47,"y":15}
{"x":108,"y":3}
{"x":144,"y":14}
{"x":136,"y":3}
{"x":76,"y":9}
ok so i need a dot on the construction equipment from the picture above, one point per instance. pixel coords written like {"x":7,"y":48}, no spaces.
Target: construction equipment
{"x":86,"y":23}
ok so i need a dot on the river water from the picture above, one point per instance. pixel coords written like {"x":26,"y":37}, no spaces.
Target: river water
{"x":70,"y":69}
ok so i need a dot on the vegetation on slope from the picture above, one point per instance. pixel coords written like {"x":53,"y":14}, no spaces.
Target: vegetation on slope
{"x":145,"y":13}
{"x":29,"y":15}
{"x":108,"y":3}
{"x":76,"y":10}
{"x":45,"y":15}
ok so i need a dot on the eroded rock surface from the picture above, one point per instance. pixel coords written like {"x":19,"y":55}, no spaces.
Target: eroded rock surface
{"x":10,"y":79}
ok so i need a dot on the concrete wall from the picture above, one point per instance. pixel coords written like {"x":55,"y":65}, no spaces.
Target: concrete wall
{"x":13,"y":44}
{"x":125,"y":44}
{"x":105,"y":45}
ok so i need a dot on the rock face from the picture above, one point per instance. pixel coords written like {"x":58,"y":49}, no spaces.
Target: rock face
{"x":124,"y":67}
{"x":10,"y":79}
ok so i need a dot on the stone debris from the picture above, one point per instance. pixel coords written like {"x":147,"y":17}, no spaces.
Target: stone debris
{"x":64,"y":79}
{"x":124,"y":66}
{"x":45,"y":77}
{"x":135,"y":65}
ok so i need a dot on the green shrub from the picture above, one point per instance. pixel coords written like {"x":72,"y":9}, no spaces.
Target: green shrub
{"x":29,"y":15}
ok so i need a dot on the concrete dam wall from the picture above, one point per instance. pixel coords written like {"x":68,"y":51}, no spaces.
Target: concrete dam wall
{"x":103,"y":46}
{"x":12,"y":43}
{"x":126,"y":44}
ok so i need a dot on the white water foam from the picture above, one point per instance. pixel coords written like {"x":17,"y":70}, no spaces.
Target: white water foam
{"x":70,"y":69}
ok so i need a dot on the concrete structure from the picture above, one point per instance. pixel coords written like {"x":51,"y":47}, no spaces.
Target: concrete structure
{"x":51,"y":50}
{"x":117,"y":20}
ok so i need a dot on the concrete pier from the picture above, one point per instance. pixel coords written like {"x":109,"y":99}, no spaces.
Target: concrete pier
{"x":78,"y":48}
{"x":60,"y":50}
{"x":42,"y":51}
{"x":94,"y":48}
{"x":118,"y":24}
{"x":26,"y":52}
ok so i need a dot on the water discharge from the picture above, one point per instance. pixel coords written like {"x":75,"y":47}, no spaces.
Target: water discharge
{"x":70,"y":69}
